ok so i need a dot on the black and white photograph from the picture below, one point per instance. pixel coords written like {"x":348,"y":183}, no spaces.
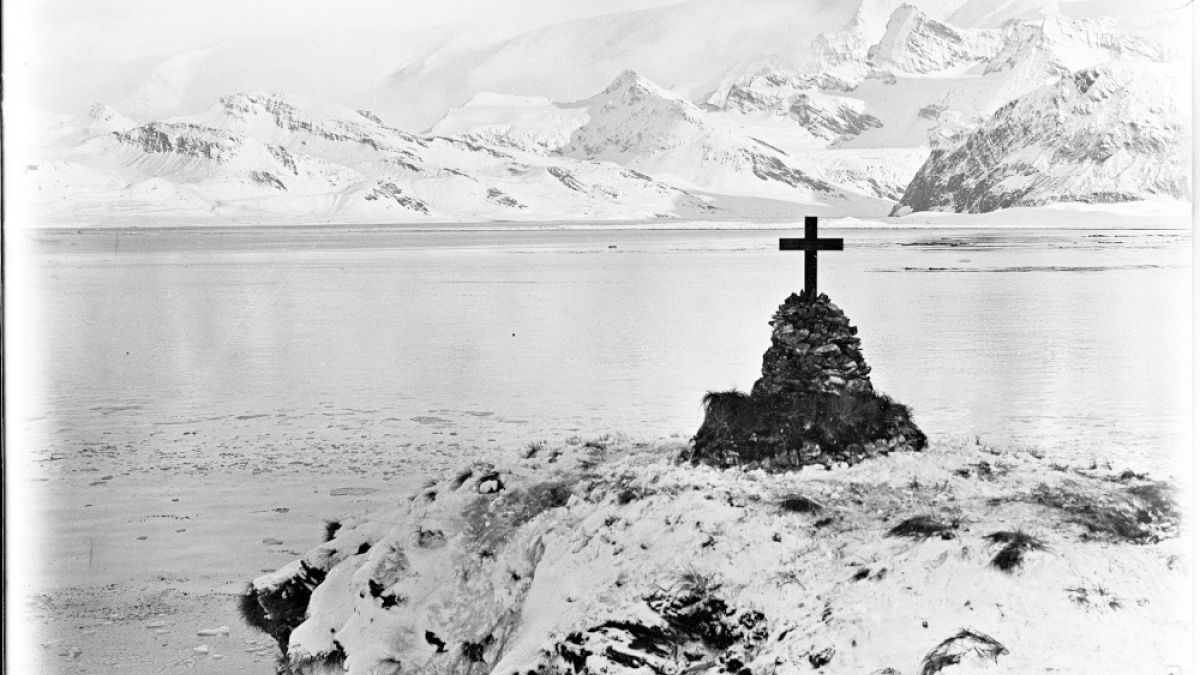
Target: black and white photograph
{"x":598,"y":337}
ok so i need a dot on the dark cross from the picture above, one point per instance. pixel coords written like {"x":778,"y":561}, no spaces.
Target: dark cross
{"x":810,"y":244}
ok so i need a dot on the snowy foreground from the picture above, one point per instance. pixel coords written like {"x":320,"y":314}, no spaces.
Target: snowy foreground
{"x":611,"y":557}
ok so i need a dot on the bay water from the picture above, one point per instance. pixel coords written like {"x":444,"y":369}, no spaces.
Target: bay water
{"x":1072,"y":342}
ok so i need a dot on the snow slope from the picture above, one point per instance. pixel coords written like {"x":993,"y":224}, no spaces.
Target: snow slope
{"x":620,"y":560}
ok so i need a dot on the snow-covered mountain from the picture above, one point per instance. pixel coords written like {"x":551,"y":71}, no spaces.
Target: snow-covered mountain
{"x":829,"y":107}
{"x":258,"y":156}
{"x":635,"y":123}
{"x":1103,"y":134}
{"x":916,"y":43}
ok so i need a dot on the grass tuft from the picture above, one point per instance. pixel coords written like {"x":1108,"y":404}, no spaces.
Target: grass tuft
{"x":952,"y":650}
{"x":1095,"y":595}
{"x":250,"y":610}
{"x":1015,"y":544}
{"x":800,"y":504}
{"x":922,"y":527}
{"x":1140,"y":514}
{"x":791,"y":429}
{"x":331,"y":529}
{"x":332,"y":661}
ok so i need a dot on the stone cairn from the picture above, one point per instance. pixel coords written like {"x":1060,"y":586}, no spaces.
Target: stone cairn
{"x":814,"y":403}
{"x":813,"y":349}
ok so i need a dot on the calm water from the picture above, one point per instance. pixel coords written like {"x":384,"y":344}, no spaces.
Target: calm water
{"x":1072,"y":341}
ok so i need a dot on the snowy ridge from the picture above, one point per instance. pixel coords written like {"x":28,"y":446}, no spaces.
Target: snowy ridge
{"x":256,"y":156}
{"x":638,"y":124}
{"x":915,"y":43}
{"x":1105,"y":134}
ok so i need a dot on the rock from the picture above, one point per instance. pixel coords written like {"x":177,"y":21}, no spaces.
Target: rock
{"x":826,"y":350}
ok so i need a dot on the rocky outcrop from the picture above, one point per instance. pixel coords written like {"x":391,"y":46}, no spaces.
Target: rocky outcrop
{"x":186,"y":140}
{"x":814,"y":403}
{"x":916,"y":43}
{"x":1111,"y":133}
{"x":832,"y":118}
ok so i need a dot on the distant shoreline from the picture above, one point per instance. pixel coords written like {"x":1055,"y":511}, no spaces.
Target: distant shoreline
{"x":1077,"y":217}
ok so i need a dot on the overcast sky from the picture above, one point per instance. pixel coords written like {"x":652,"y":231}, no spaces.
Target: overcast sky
{"x":121,"y":29}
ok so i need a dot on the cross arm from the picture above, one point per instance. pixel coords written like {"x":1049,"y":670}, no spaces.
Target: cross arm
{"x":810,"y":245}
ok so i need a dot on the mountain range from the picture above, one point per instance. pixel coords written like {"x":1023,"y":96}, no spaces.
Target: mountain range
{"x":759,"y":110}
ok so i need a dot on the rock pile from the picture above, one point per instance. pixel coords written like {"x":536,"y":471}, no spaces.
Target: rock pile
{"x":813,"y":405}
{"x":813,"y":349}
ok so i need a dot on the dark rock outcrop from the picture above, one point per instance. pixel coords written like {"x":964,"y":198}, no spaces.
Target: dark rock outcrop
{"x":814,"y":403}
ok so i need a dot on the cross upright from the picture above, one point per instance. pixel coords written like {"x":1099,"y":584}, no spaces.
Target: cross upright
{"x":810,"y":244}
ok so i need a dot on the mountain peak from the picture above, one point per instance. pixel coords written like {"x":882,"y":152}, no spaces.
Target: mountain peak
{"x":103,"y":117}
{"x":916,"y":43}
{"x":629,"y":80}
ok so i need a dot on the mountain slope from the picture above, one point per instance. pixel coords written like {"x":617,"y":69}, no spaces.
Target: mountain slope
{"x":256,"y":156}
{"x":1105,"y":134}
{"x":638,"y":124}
{"x":916,"y":43}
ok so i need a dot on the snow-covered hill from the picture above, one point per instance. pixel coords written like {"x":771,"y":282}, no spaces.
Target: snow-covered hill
{"x":1103,"y":134}
{"x":601,"y":559}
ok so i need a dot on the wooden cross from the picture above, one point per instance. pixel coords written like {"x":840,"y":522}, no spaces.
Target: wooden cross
{"x":810,"y":244}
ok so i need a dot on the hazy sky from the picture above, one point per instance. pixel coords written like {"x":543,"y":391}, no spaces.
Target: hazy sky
{"x":122,"y":29}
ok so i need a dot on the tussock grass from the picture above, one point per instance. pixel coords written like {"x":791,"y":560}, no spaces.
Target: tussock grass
{"x":284,"y":607}
{"x":1015,"y":544}
{"x":1092,"y":596}
{"x":923,"y":527}
{"x":533,"y":449}
{"x":251,"y":612}
{"x":332,"y":661}
{"x":331,"y":529}
{"x":1140,"y":514}
{"x":952,"y":650}
{"x":800,"y":504}
{"x":460,"y":478}
{"x":791,"y":429}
